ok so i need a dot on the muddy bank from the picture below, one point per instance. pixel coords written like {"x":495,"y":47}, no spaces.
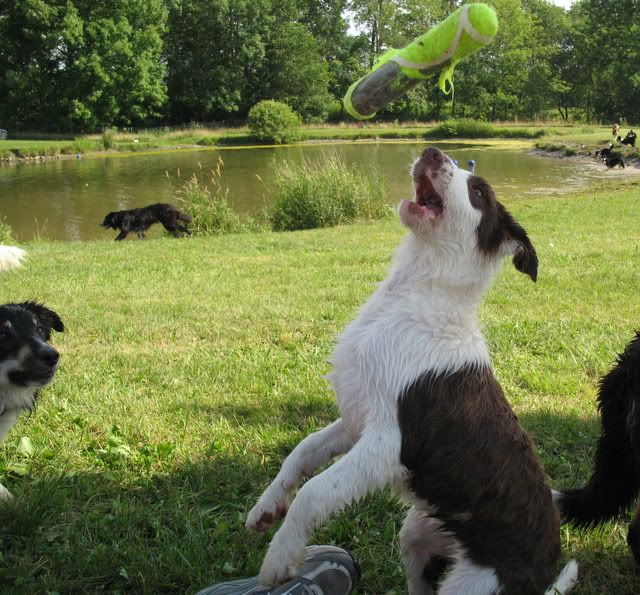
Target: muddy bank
{"x":631,"y":164}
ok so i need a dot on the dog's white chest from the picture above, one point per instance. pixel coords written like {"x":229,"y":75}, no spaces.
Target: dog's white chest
{"x":395,"y":338}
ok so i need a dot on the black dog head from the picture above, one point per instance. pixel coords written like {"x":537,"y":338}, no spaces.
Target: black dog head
{"x":111,"y":221}
{"x":26,"y":358}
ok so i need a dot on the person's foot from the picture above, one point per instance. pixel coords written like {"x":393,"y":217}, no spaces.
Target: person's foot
{"x":327,"y":570}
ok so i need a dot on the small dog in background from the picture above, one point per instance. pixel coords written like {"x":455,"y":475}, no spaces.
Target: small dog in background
{"x":613,"y":161}
{"x":629,"y":139}
{"x":615,"y":482}
{"x":605,"y":152}
{"x":27,"y":361}
{"x":139,"y":220}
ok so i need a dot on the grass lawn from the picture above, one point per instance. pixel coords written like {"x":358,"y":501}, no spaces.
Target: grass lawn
{"x":190,"y":368}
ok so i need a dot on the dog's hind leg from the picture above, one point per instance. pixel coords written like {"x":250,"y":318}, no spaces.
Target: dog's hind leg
{"x":427,"y":552}
{"x":372,"y":463}
{"x":315,"y":450}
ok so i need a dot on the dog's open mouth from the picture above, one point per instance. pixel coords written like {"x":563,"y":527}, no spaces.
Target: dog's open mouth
{"x":427,"y":201}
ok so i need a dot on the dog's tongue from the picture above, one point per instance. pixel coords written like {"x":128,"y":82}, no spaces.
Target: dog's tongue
{"x":415,"y":209}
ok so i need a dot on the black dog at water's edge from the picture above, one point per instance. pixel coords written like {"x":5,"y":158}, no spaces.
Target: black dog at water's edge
{"x":615,"y":482}
{"x":139,"y":220}
{"x":609,"y":157}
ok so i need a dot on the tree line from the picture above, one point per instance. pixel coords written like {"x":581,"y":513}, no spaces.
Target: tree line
{"x":82,"y":65}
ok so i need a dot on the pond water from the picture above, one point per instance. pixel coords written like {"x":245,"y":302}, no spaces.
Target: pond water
{"x":67,"y":199}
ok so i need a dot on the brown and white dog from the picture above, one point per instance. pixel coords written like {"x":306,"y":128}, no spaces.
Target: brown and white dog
{"x":422,"y":411}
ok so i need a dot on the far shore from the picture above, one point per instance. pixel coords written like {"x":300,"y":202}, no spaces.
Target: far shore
{"x":552,"y":139}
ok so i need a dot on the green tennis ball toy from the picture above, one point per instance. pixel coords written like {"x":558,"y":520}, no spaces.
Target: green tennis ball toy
{"x":465,"y":31}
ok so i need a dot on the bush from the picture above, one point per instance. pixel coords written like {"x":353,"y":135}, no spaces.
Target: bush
{"x":464,"y":128}
{"x":108,"y":138}
{"x":208,"y":204}
{"x":469,"y":128}
{"x":6,"y":234}
{"x":325,"y":194}
{"x":274,"y":122}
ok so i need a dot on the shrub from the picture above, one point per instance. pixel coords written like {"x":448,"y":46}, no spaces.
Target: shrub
{"x":468,"y":128}
{"x":274,"y":122}
{"x":6,"y":234}
{"x":325,"y":194}
{"x":463,"y":128}
{"x":208,"y":204}
{"x":84,"y":145}
{"x":108,"y":138}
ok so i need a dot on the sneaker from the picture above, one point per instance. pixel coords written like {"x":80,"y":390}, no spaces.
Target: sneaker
{"x":327,"y":570}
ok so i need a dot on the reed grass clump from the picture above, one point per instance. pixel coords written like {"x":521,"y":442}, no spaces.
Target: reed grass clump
{"x":6,"y":233}
{"x":325,"y":194}
{"x":469,"y":128}
{"x":207,"y":203}
{"x":108,"y":138}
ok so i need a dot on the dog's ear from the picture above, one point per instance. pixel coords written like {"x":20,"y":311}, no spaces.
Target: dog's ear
{"x":498,"y":231}
{"x":525,"y":258}
{"x":47,"y":317}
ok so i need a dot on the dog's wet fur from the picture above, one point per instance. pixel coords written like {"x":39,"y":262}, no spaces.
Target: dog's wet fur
{"x":27,"y":361}
{"x":139,"y":220}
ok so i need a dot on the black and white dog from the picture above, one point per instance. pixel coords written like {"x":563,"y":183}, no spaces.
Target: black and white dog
{"x":422,"y":411}
{"x":629,"y":139}
{"x":615,"y":482}
{"x":27,"y":361}
{"x":605,"y":152}
{"x":613,"y":161}
{"x":139,"y":220}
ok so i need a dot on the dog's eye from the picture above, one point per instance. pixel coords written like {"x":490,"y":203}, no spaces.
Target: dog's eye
{"x":478,"y":193}
{"x":4,"y":334}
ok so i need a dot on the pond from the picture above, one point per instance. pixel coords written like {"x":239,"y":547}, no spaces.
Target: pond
{"x":67,"y":199}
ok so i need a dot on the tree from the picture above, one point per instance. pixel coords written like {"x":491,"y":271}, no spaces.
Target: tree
{"x":117,"y":76}
{"x":79,"y":64}
{"x":215,"y":51}
{"x":295,"y":71}
{"x":608,"y":51}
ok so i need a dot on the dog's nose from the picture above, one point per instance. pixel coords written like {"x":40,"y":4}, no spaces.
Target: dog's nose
{"x":433,"y":156}
{"x":49,"y":356}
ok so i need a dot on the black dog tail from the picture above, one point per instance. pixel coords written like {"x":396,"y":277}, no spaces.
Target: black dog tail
{"x":615,"y":481}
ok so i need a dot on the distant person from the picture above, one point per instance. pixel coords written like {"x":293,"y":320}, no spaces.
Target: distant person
{"x":615,"y":131}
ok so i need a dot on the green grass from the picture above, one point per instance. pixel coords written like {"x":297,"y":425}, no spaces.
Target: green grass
{"x":190,"y":368}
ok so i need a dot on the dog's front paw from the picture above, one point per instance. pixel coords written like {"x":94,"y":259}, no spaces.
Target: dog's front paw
{"x":5,"y":494}
{"x":281,"y":563}
{"x":267,"y":511}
